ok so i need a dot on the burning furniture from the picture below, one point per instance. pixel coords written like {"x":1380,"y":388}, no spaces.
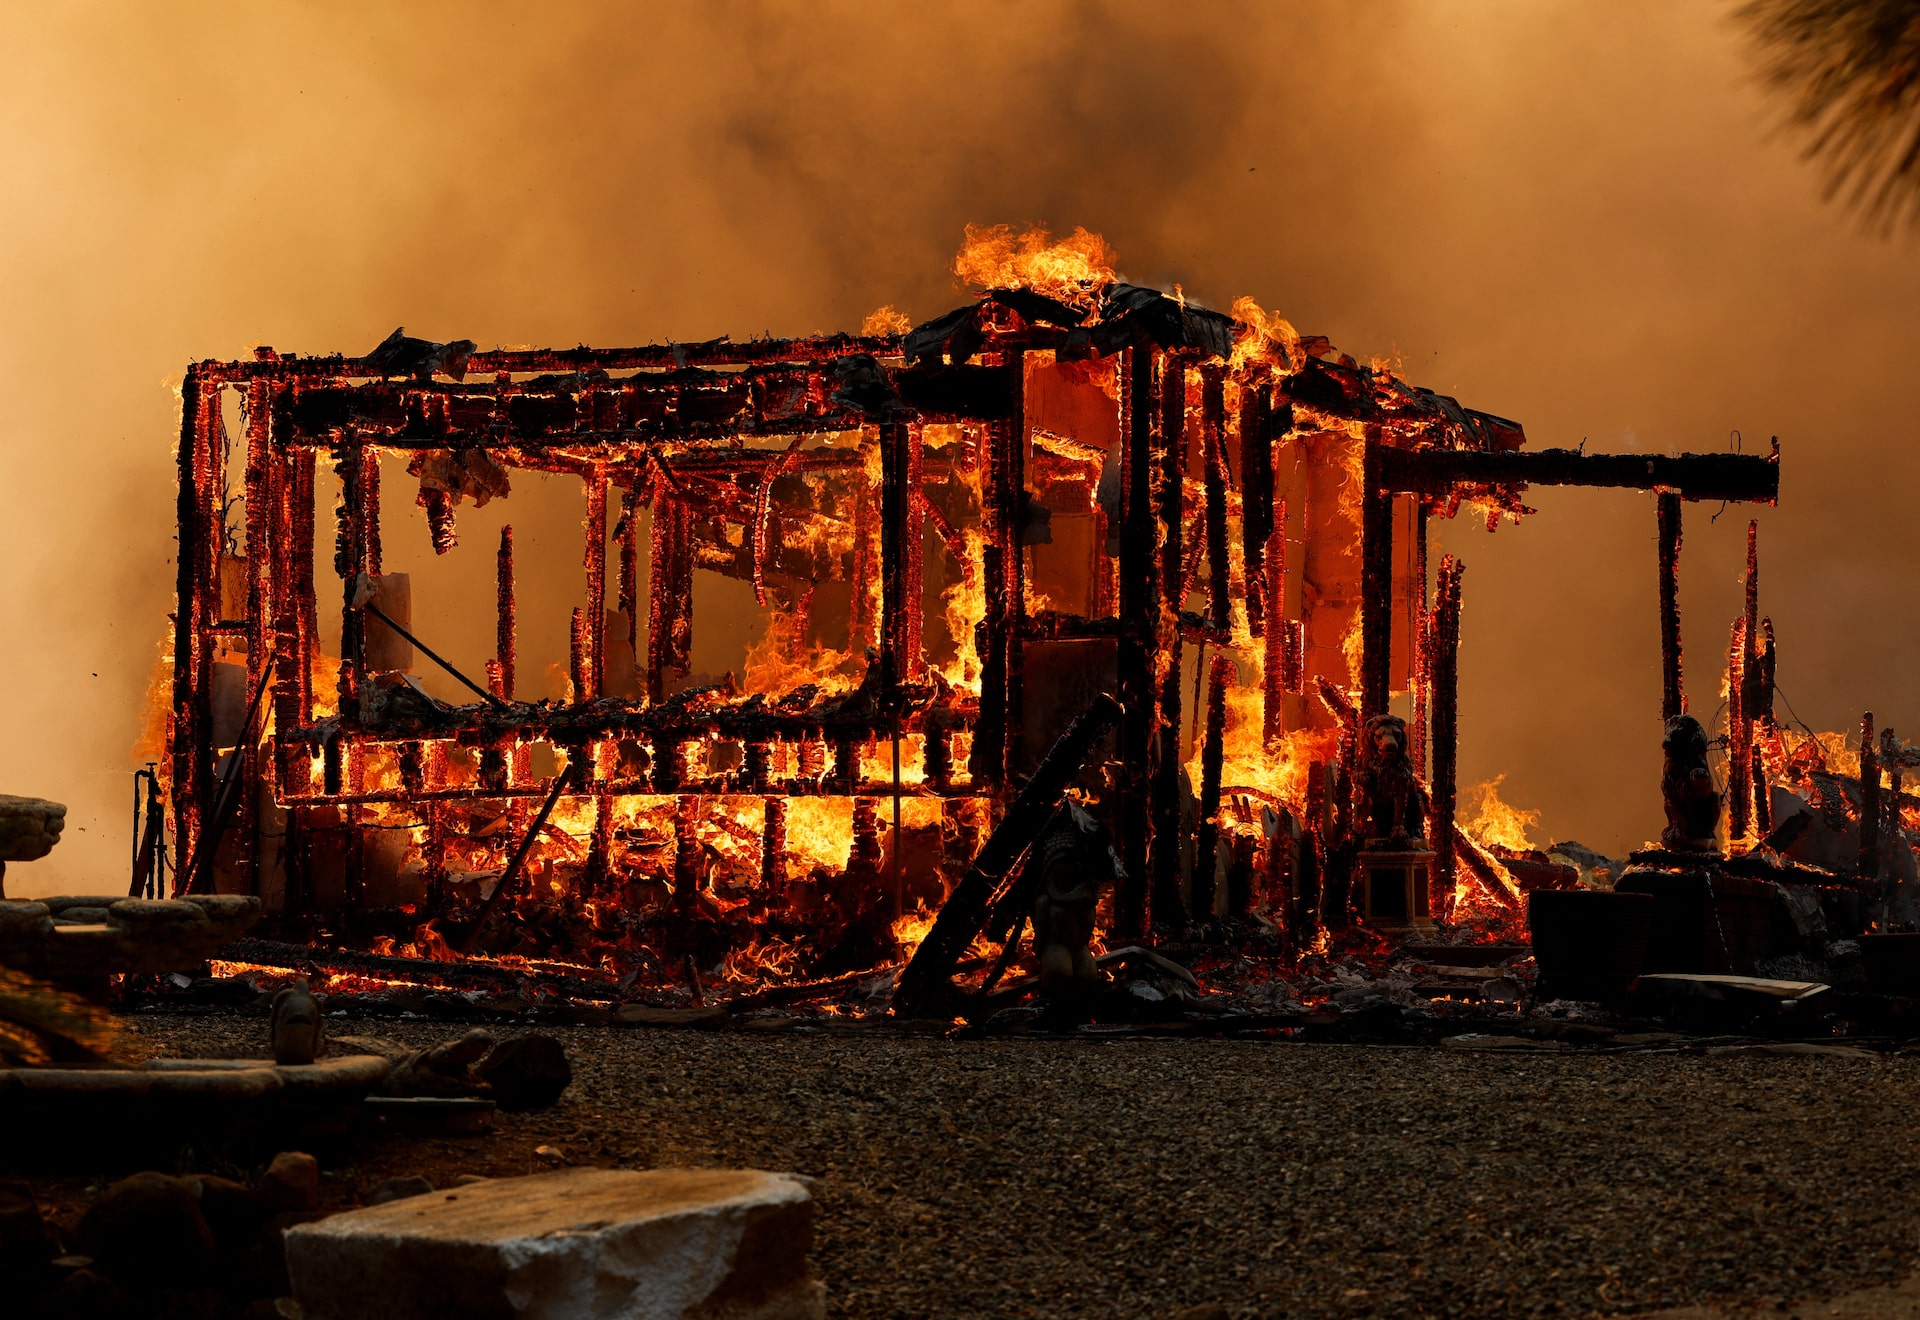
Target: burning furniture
{"x":959,"y":534}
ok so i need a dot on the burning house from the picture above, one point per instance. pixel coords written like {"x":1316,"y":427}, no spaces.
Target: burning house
{"x":959,"y":534}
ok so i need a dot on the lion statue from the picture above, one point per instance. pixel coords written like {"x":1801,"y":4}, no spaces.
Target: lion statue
{"x":1390,"y":804}
{"x":1686,"y":785}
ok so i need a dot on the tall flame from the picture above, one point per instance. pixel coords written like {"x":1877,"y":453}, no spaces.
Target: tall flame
{"x":996,"y":257}
{"x":1495,"y":822}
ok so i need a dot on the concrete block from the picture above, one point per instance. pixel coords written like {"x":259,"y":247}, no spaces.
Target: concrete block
{"x":575,"y":1244}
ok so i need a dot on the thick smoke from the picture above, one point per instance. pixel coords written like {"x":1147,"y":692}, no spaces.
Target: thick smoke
{"x":1566,"y":214}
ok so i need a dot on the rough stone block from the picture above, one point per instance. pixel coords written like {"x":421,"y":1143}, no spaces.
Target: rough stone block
{"x":576,"y":1244}
{"x":29,"y":827}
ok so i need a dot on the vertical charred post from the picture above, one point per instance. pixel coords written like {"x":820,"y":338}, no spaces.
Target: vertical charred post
{"x":1212,"y":753}
{"x":504,"y":645}
{"x":1139,"y":615}
{"x":1010,"y":437}
{"x":1762,"y":680}
{"x":600,"y":845}
{"x":629,"y":533}
{"x":293,"y":627}
{"x":1869,"y":807}
{"x":757,"y":765}
{"x":773,"y":847}
{"x":577,"y":662}
{"x":1673,"y":700}
{"x":1739,"y":736}
{"x":845,"y":774}
{"x":1213,"y":424}
{"x":986,"y":760}
{"x":1756,"y":700}
{"x":670,"y":593}
{"x":264,"y":595}
{"x":1310,"y":885}
{"x":862,"y":634}
{"x":902,"y":532}
{"x":1169,"y":908}
{"x":1445,"y":669}
{"x":863,"y":859}
{"x":938,"y":759}
{"x":1273,"y":671}
{"x":332,"y":774}
{"x":434,"y":847}
{"x":356,"y":892}
{"x":1376,"y":587}
{"x":995,"y":754}
{"x":811,"y":755}
{"x":1890,"y":759}
{"x":349,"y":561}
{"x":1256,"y":496}
{"x":593,"y":667}
{"x":370,"y":510}
{"x":686,"y":850}
{"x":665,"y":763}
{"x":306,"y":604}
{"x":1421,"y":643}
{"x":197,"y":601}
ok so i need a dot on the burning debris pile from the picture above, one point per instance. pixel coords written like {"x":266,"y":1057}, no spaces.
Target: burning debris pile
{"x":962,"y":535}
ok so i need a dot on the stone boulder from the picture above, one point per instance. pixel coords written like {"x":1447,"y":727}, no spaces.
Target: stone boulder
{"x":149,"y":1229}
{"x":527,"y":1072}
{"x":29,"y":827}
{"x":578,"y":1244}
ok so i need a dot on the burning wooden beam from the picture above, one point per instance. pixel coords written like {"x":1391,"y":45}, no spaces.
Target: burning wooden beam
{"x":1745,"y":478}
{"x":925,"y":987}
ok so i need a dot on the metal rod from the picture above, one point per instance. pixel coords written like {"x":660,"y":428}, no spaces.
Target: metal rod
{"x":427,"y":651}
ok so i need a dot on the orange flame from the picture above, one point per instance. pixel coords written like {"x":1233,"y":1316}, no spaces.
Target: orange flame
{"x":1069,"y":269}
{"x":1496,"y":823}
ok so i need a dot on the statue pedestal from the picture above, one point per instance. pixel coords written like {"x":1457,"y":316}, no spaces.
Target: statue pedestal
{"x":1394,"y":885}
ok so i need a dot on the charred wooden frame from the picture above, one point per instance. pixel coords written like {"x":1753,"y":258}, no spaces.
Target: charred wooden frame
{"x":707,"y":436}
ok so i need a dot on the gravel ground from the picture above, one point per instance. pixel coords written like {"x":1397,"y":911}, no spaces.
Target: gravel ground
{"x":1142,"y":1177}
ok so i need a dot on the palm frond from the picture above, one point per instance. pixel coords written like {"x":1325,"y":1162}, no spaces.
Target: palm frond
{"x":1850,"y":71}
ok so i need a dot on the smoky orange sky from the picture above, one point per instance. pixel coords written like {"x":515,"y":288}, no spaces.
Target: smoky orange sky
{"x":1571,"y":214}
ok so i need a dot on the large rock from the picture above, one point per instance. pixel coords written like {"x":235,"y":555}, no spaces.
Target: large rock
{"x":29,"y":827}
{"x":148,"y":1229}
{"x":527,"y":1072}
{"x":578,"y":1244}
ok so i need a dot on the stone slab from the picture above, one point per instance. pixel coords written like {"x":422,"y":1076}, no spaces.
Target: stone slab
{"x":576,"y":1244}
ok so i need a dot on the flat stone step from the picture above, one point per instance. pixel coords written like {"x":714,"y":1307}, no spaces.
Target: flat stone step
{"x":576,"y":1244}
